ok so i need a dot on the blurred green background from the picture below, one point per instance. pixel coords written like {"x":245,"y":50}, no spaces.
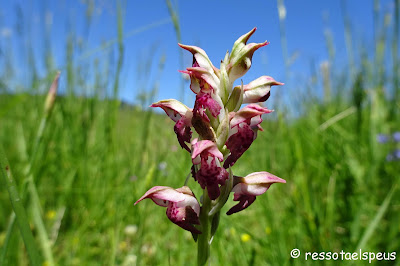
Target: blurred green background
{"x":81,"y":164}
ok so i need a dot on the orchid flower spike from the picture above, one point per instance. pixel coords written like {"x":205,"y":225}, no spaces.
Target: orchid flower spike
{"x":224,"y":131}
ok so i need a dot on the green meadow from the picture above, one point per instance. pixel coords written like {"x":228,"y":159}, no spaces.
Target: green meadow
{"x":78,"y":167}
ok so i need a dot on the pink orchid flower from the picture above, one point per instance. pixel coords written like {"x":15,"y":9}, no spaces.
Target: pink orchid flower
{"x":247,"y":188}
{"x":205,"y":83}
{"x":182,"y":115}
{"x":243,"y":131}
{"x":183,"y":209}
{"x":202,"y":80}
{"x":205,"y":101}
{"x":210,"y":174}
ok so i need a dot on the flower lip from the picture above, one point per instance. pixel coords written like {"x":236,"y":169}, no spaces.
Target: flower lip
{"x":182,"y":116}
{"x":243,"y":128}
{"x":205,"y":146}
{"x":210,"y":174}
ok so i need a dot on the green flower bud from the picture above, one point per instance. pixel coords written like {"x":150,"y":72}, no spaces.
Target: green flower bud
{"x":236,"y":99}
{"x":241,"y":56}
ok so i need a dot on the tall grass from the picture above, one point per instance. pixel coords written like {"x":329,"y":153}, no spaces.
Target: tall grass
{"x":96,"y":157}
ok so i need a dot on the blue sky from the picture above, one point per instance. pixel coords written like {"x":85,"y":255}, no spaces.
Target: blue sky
{"x":212,"y":25}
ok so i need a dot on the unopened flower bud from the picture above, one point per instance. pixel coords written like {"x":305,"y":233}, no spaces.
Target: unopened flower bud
{"x":235,"y":100}
{"x":241,"y":56}
{"x":225,"y":84}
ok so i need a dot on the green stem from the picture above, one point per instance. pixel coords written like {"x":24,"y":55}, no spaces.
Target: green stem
{"x":19,"y":210}
{"x":204,"y":240}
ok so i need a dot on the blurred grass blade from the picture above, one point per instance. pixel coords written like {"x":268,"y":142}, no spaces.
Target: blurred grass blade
{"x":337,"y":118}
{"x":109,"y":44}
{"x":34,"y":195}
{"x":348,"y":39}
{"x":175,"y":20}
{"x":48,"y":107}
{"x":282,"y":18}
{"x":51,"y":95}
{"x":395,"y":59}
{"x":378,"y":217}
{"x":29,"y":183}
{"x":19,"y":210}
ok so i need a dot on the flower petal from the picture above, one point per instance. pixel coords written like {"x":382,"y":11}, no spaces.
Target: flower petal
{"x":206,"y":101}
{"x":173,"y":108}
{"x":210,"y":176}
{"x":184,"y":218}
{"x":205,"y":146}
{"x":183,"y":133}
{"x":202,"y":80}
{"x":247,"y":188}
{"x":161,"y":195}
{"x":243,"y":131}
{"x":258,"y":90}
{"x":183,"y":208}
{"x":200,"y":57}
{"x":244,"y":202}
{"x":182,"y":115}
{"x":256,"y":183}
{"x":247,"y":113}
{"x":238,"y":143}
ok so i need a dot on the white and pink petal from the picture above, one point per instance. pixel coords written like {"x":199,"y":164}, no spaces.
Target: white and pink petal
{"x":174,"y":109}
{"x":247,"y":113}
{"x":247,"y":188}
{"x":200,"y":57}
{"x":183,"y":208}
{"x":206,"y":148}
{"x":258,"y":90}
